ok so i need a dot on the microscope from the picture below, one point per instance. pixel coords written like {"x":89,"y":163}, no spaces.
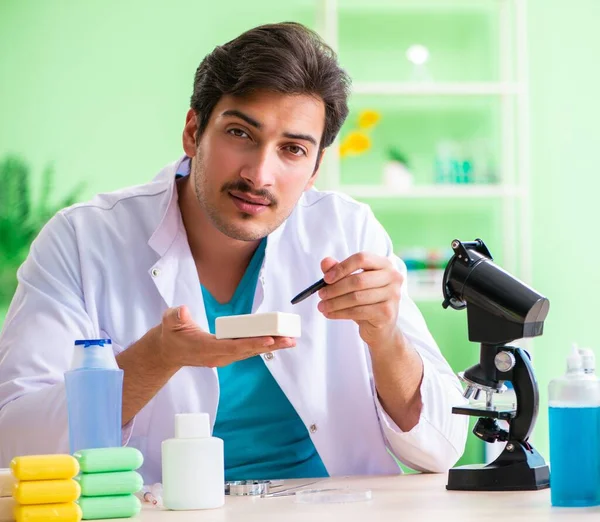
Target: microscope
{"x":500,"y":309}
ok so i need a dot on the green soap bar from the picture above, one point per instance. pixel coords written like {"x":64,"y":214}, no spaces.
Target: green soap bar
{"x":101,"y":460}
{"x":120,"y":506}
{"x":112,"y":483}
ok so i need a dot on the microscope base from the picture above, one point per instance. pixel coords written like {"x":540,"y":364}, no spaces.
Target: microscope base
{"x":511,"y":471}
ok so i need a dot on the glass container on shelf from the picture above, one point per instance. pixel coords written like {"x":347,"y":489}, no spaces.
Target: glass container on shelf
{"x":460,"y":162}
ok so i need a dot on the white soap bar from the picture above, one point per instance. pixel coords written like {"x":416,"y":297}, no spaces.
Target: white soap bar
{"x":257,"y":325}
{"x":6,"y":482}
{"x":7,"y":508}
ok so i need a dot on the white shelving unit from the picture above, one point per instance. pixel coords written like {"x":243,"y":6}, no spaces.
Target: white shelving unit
{"x":432,"y":191}
{"x":512,"y":92}
{"x":435,"y":89}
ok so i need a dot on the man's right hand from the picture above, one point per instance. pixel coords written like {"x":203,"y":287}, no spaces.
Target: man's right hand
{"x":177,"y":342}
{"x":181,"y":342}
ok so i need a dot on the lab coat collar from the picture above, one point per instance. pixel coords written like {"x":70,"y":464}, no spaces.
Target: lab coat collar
{"x":170,"y":223}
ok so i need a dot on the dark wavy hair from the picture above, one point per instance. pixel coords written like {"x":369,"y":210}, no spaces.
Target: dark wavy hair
{"x":286,"y":58}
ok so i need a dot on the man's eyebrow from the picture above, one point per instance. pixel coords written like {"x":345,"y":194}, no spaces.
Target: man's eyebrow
{"x":305,"y":137}
{"x":251,"y":121}
{"x":242,"y":116}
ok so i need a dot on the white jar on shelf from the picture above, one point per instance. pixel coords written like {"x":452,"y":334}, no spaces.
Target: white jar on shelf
{"x":396,"y":176}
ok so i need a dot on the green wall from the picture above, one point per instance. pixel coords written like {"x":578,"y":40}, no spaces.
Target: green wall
{"x":101,"y":90}
{"x":565,"y":85}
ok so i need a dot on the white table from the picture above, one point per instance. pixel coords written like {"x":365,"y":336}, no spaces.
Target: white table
{"x":404,"y":498}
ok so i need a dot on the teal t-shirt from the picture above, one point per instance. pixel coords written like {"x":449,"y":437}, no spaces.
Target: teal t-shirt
{"x":263,"y":435}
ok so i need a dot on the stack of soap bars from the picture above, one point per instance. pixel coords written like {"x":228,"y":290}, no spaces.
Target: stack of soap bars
{"x":7,"y":503}
{"x":109,"y":482}
{"x":44,"y":488}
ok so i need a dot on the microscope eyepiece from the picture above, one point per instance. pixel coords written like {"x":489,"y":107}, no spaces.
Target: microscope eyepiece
{"x":500,"y":307}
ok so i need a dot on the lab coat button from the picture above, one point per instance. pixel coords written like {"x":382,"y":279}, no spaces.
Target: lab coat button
{"x":268,"y":356}
{"x":313,"y":428}
{"x":155,"y":272}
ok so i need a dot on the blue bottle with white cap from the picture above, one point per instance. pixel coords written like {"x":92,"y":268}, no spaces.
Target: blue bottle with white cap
{"x":574,"y":415}
{"x":94,"y":394}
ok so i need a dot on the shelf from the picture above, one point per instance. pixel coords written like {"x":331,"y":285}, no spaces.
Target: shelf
{"x":472,"y":90}
{"x":420,"y":5}
{"x":435,"y":89}
{"x":429,"y":191}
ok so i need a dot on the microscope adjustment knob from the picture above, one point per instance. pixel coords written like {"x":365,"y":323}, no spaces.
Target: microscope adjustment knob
{"x":504,"y":361}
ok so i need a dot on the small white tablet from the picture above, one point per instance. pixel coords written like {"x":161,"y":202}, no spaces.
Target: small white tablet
{"x":258,"y":325}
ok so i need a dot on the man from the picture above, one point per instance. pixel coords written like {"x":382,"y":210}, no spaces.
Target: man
{"x":236,"y":227}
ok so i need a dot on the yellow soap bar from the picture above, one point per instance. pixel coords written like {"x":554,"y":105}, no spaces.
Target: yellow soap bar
{"x":46,"y":491}
{"x":44,"y":467}
{"x":7,"y":507}
{"x":70,"y":512}
{"x":6,"y":482}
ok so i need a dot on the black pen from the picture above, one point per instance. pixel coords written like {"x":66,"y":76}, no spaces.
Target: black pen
{"x":309,"y":291}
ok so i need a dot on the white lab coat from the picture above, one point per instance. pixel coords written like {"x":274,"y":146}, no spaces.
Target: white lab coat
{"x":111,"y":267}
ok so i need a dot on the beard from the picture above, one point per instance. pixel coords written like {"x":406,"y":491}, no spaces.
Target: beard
{"x":254,"y":228}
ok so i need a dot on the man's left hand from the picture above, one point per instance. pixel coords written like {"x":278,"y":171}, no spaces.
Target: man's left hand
{"x":366,"y":289}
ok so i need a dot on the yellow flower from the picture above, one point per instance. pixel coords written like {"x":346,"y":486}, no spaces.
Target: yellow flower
{"x":368,"y":118}
{"x":355,"y":143}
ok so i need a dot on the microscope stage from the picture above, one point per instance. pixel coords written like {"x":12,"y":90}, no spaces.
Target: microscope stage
{"x":483,"y":412}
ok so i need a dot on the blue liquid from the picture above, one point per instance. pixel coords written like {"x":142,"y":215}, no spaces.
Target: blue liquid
{"x":94,"y":398}
{"x":574,"y":456}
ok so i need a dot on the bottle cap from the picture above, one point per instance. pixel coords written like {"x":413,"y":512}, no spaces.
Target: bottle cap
{"x":94,"y":353}
{"x":192,"y":425}
{"x":92,"y":342}
{"x":574,"y":361}
{"x":588,"y":359}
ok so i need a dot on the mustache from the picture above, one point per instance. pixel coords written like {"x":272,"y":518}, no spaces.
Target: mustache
{"x":242,"y":186}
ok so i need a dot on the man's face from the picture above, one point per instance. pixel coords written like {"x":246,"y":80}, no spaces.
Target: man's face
{"x":255,"y":158}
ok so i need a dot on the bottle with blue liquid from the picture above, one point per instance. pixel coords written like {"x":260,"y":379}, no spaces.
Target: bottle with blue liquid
{"x":94,"y":394}
{"x":574,"y":415}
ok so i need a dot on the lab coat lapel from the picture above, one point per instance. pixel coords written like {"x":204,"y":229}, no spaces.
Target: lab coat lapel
{"x":175,"y":274}
{"x":176,"y":278}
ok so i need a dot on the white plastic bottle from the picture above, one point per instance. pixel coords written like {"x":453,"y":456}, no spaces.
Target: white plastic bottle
{"x":193,"y":467}
{"x":94,"y":388}
{"x":574,"y":422}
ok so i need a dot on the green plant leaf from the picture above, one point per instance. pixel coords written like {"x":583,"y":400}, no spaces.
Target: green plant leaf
{"x":20,"y":219}
{"x":396,"y":154}
{"x":46,"y":188}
